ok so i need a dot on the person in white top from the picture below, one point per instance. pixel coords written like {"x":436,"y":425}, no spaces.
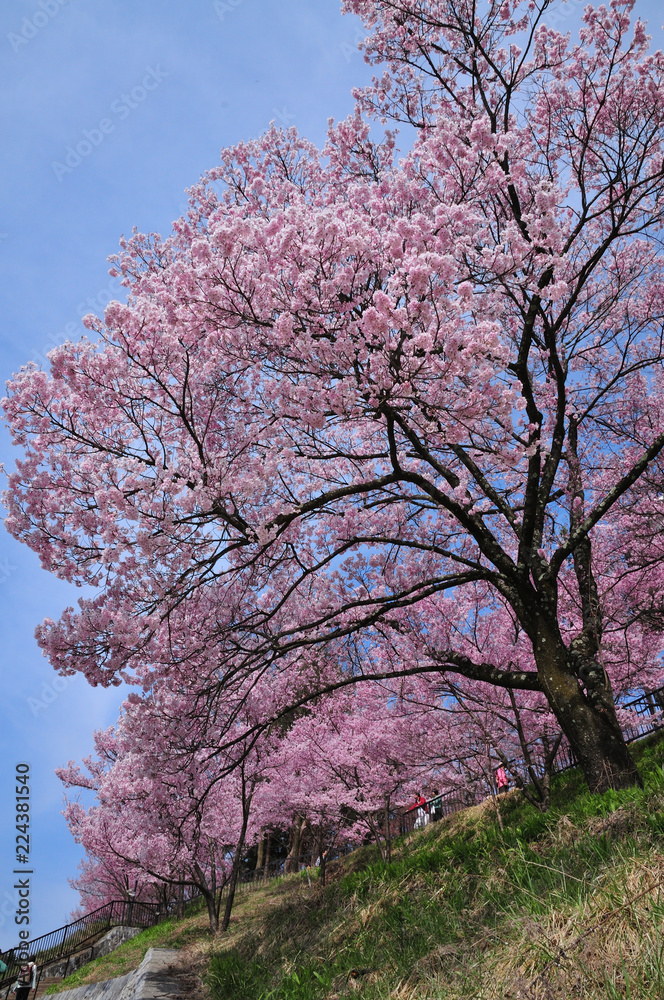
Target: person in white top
{"x":26,"y":981}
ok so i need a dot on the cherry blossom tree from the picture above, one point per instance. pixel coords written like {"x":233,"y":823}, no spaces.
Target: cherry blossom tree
{"x":155,"y":834}
{"x":357,"y":405}
{"x":171,"y":809}
{"x":345,"y":765}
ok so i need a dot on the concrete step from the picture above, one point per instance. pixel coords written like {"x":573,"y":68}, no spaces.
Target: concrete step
{"x":152,"y":980}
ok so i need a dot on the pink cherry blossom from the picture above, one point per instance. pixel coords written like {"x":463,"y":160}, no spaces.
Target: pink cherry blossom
{"x":362,"y":415}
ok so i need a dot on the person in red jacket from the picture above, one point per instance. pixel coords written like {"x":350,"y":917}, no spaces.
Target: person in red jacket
{"x":422,"y":811}
{"x":502,"y":780}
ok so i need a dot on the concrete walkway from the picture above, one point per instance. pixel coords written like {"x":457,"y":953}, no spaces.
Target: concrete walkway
{"x":150,"y":981}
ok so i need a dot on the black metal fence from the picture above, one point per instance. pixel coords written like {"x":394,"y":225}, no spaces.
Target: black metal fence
{"x":61,"y":945}
{"x":73,"y":938}
{"x":416,"y":817}
{"x":649,"y":711}
{"x":641,"y":717}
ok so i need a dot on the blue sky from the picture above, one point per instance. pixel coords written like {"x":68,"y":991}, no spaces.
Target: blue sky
{"x":155,"y":89}
{"x":177,"y":82}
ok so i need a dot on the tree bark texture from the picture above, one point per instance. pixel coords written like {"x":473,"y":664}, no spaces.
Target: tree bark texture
{"x":588,"y":719}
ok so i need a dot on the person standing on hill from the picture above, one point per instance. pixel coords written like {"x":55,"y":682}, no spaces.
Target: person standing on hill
{"x":422,"y":811}
{"x":502,"y":780}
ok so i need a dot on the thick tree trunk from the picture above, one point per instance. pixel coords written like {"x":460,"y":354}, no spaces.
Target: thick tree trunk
{"x":209,"y":892}
{"x":574,"y":679}
{"x":589,"y":722}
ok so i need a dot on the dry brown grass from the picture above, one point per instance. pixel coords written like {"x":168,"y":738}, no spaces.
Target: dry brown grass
{"x":601,"y":948}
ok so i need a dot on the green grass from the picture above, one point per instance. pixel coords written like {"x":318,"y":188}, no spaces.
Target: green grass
{"x":567,"y":904}
{"x":465,"y":911}
{"x":128,"y":956}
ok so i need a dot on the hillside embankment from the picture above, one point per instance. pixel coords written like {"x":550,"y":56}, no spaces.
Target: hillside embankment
{"x":528,"y":906}
{"x":152,"y":980}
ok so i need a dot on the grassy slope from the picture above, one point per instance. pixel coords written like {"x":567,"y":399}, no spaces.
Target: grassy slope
{"x":187,"y":934}
{"x":564,"y":905}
